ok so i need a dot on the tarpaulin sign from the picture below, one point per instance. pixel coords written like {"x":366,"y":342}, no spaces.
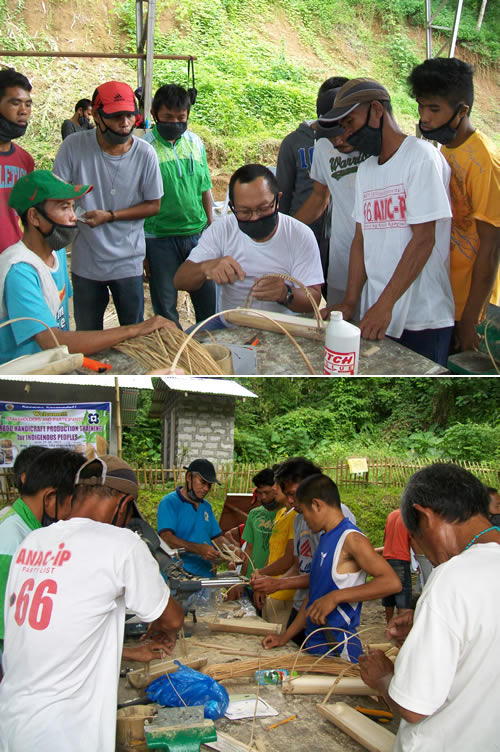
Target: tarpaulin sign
{"x":83,"y":427}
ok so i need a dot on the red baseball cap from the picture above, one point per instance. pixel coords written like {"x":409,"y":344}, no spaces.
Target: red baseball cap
{"x":114,"y":98}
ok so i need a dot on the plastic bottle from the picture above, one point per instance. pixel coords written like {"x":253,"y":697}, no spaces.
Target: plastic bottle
{"x":265,"y":677}
{"x":341,"y":347}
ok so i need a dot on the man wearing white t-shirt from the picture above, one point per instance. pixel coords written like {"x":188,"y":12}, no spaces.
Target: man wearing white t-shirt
{"x":69,"y":585}
{"x":399,"y":259}
{"x":239,"y":250}
{"x":333,"y":172}
{"x":444,"y":683}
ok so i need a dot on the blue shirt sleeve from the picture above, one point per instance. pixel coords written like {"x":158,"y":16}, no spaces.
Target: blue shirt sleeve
{"x":23,"y":297}
{"x":167,"y":514}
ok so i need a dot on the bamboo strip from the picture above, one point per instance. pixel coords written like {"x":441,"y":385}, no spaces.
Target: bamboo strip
{"x":330,"y":666}
{"x":317,"y":685}
{"x":368,"y":733}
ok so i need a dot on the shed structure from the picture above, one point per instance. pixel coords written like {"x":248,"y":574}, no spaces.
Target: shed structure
{"x":197,"y":417}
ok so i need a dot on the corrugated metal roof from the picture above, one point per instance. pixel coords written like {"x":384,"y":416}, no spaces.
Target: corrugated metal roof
{"x":125,"y":382}
{"x":204,"y":385}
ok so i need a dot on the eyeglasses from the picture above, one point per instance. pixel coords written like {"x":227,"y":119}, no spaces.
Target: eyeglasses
{"x":263,"y":210}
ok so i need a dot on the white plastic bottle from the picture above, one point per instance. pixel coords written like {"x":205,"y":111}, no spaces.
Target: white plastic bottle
{"x":341,"y":347}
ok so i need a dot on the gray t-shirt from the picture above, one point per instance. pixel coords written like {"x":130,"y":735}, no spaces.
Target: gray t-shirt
{"x":114,"y":250}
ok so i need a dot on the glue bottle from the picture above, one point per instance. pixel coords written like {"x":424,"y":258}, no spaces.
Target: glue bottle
{"x":341,"y":347}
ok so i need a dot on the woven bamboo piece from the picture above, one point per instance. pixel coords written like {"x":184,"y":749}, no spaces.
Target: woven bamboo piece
{"x":302,"y":664}
{"x":160,"y":349}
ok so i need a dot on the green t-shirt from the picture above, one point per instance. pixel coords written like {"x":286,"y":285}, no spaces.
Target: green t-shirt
{"x":258,"y":529}
{"x":185,"y":176}
{"x":14,"y":528}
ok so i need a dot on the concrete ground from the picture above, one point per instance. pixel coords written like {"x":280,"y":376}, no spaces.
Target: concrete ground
{"x":308,"y":732}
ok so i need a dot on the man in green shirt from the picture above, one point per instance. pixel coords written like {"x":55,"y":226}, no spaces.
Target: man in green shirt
{"x":46,"y":497}
{"x":259,"y":524}
{"x":186,"y":206}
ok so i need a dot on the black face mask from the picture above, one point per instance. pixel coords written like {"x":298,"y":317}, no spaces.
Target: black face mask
{"x":367,"y":139}
{"x":112,"y":137}
{"x":495,"y":519}
{"x":259,"y":228}
{"x":171,"y":131}
{"x":83,"y":121}
{"x":191,"y":494}
{"x":10,"y":130}
{"x":60,"y":235}
{"x":115,"y":516}
{"x":444,"y":134}
{"x":270,"y":505}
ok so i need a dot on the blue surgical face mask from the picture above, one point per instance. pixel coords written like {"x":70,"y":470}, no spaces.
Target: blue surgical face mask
{"x":367,"y":139}
{"x":445,"y":134}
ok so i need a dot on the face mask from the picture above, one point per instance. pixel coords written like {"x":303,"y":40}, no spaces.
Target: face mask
{"x":171,"y":131}
{"x":259,"y":228}
{"x":495,"y":519}
{"x":444,"y":134}
{"x":115,"y":516}
{"x":46,"y":518}
{"x":270,"y":505}
{"x":10,"y":130}
{"x":191,"y":494}
{"x":60,"y":235}
{"x":83,"y":121}
{"x":367,"y":139}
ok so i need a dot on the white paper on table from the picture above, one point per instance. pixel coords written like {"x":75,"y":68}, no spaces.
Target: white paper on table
{"x":246,"y":709}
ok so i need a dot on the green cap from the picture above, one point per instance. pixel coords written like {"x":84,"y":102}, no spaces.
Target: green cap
{"x":40,"y":185}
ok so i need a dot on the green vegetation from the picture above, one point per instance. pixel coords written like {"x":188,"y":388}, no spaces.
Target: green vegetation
{"x":259,"y":63}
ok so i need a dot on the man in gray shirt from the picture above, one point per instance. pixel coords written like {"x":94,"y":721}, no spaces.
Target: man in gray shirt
{"x":108,"y":253}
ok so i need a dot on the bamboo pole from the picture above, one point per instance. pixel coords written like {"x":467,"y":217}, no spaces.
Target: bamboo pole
{"x":111,"y":55}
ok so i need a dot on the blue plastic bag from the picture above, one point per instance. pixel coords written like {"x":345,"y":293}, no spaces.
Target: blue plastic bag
{"x":194,"y":688}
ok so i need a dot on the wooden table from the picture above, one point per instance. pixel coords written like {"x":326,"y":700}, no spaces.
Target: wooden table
{"x":277,"y":356}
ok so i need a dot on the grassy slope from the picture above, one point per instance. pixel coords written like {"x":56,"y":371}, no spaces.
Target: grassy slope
{"x":259,"y":64}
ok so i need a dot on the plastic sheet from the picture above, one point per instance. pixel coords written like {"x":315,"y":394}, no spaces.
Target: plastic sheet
{"x":190,"y":687}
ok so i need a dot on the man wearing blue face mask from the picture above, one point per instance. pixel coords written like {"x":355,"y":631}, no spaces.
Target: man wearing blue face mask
{"x":34,"y":278}
{"x":186,"y":207}
{"x":399,"y":258}
{"x":238,"y":250}
{"x":108,"y":253}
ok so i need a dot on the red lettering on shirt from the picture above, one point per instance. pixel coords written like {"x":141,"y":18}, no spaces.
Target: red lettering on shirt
{"x":385,"y":208}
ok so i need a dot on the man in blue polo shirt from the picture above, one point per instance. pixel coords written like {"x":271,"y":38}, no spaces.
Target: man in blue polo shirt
{"x":186,"y":520}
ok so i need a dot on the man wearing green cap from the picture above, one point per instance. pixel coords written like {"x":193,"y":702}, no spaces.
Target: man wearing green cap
{"x":34,"y":279}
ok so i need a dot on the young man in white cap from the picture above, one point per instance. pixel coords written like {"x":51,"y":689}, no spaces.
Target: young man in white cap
{"x":68,"y":588}
{"x":108,"y":253}
{"x":399,"y":260}
{"x":186,"y":520}
{"x":34,"y":280}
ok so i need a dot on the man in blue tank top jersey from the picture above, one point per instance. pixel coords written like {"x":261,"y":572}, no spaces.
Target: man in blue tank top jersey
{"x":337,"y":582}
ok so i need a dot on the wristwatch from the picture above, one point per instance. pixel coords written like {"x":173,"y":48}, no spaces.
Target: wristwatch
{"x":289,"y":295}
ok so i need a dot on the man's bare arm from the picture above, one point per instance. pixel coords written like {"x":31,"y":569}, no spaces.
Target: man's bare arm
{"x":191,"y":275}
{"x":90,"y":342}
{"x":483,"y":278}
{"x":314,"y":206}
{"x":274,"y":289}
{"x":206,"y":200}
{"x":280,"y":565}
{"x":416,"y":254}
{"x":97,"y":217}
{"x":205,"y":550}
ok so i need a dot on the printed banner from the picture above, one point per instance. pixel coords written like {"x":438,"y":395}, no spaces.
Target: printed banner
{"x":83,"y":427}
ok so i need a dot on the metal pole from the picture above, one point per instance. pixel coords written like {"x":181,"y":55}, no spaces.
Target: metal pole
{"x":456,"y":24}
{"x":139,"y":25}
{"x":150,"y":38}
{"x":112,"y":55}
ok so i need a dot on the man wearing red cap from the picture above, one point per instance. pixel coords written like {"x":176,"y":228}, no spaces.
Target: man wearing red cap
{"x":34,"y":279}
{"x":109,"y":251}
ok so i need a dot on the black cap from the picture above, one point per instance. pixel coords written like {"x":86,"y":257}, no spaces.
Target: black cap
{"x":203,"y":468}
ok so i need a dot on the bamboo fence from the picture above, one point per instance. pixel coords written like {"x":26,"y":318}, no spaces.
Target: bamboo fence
{"x":237,"y":477}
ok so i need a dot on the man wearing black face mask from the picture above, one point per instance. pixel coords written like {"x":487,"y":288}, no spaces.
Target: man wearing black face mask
{"x":186,"y":207}
{"x":15,"y":111}
{"x":399,"y":258}
{"x":108,"y":254}
{"x":444,"y":90}
{"x":237,"y":250}
{"x":186,"y":520}
{"x":80,"y":120}
{"x":34,"y":280}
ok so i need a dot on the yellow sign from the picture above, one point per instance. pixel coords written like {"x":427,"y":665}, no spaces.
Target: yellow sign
{"x":357,"y":465}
